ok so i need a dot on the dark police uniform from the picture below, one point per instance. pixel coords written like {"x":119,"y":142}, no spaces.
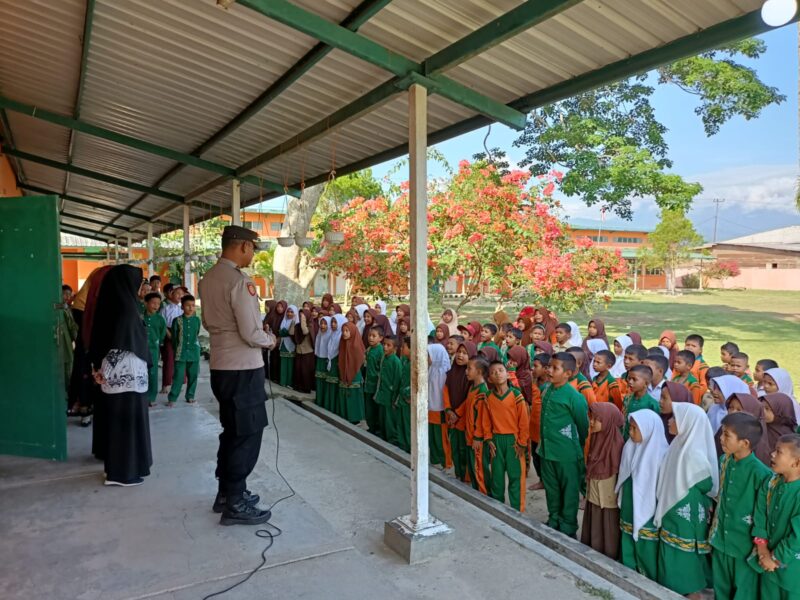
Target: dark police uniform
{"x":230,"y":313}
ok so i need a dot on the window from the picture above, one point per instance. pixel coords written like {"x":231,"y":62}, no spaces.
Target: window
{"x":254,"y":225}
{"x":774,"y":265}
{"x":655,"y":271}
{"x":275,"y":226}
{"x":627,"y":240}
{"x":598,"y":238}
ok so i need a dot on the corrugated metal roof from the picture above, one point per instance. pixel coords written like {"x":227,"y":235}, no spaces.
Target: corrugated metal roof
{"x":174,"y":73}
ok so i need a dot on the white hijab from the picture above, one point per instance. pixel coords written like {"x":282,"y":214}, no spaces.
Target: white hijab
{"x":691,"y":458}
{"x":321,"y":342}
{"x":360,"y":310}
{"x":393,"y":321}
{"x":381,"y":306}
{"x":575,"y":339}
{"x":618,"y":370}
{"x":728,"y":385}
{"x":641,"y":462}
{"x":594,"y":346}
{"x":334,"y":338}
{"x":785,"y":386}
{"x":452,"y":326}
{"x":437,"y":374}
{"x":286,"y":324}
{"x":431,"y":326}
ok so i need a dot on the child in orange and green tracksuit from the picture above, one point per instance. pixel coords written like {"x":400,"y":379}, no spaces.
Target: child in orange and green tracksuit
{"x":694,"y":344}
{"x":606,"y":388}
{"x":564,"y":428}
{"x":579,"y":381}
{"x":682,"y":373}
{"x":476,"y":417}
{"x":507,"y":439}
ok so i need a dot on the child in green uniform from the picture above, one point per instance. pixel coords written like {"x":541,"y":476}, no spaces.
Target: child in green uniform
{"x":687,"y":481}
{"x":185,"y":330}
{"x":642,"y":456}
{"x":156,"y":332}
{"x":287,"y":346}
{"x":351,"y":380}
{"x":488,"y":331}
{"x":564,"y":427}
{"x":321,"y":365}
{"x":387,"y":389}
{"x":374,"y":357}
{"x":639,"y":377}
{"x":777,"y":524}
{"x":741,"y":477}
{"x":403,"y":411}
{"x":332,"y":399}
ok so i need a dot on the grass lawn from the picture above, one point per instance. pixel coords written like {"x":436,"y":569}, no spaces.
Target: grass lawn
{"x":763,"y":324}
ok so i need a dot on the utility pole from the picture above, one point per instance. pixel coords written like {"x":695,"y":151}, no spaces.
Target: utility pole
{"x":717,"y":202}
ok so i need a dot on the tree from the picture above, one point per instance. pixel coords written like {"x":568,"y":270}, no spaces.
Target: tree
{"x":204,"y":240}
{"x":719,"y":270}
{"x":484,"y":227}
{"x":263,"y":266}
{"x":670,"y":244}
{"x":611,"y":144}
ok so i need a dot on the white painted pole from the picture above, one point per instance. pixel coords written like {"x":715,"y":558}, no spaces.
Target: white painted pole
{"x":418,"y":229}
{"x":150,"y":252}
{"x":236,"y":203}
{"x":187,"y":263}
{"x":129,"y":247}
{"x":116,"y":251}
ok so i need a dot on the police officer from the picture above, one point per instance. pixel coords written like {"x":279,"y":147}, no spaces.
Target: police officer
{"x":232,"y":317}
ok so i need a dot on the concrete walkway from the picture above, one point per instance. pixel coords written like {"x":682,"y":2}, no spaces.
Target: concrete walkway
{"x":66,"y":536}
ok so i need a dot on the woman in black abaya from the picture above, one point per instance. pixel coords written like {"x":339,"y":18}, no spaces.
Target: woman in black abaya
{"x":120,"y":357}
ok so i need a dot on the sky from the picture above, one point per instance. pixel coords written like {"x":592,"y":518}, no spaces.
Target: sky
{"x":751,"y":165}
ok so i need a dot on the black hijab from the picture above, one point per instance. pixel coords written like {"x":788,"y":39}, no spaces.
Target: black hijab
{"x":118,"y":324}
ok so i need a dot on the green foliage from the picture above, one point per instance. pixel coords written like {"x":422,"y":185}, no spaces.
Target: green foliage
{"x":691,"y":281}
{"x":671,"y":244}
{"x":262,"y":264}
{"x":341,"y":190}
{"x":611,"y":144}
{"x":204,"y":240}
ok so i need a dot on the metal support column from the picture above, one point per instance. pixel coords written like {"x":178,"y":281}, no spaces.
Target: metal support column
{"x":116,"y":251}
{"x":129,"y":247}
{"x":236,"y":202}
{"x":187,"y":262}
{"x":414,"y":536}
{"x":150,"y":253}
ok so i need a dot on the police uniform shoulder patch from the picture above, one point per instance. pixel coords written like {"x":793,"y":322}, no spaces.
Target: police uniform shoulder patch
{"x":251,"y":288}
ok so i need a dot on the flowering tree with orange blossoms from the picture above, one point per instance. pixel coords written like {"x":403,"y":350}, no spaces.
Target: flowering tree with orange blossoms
{"x":491,"y":229}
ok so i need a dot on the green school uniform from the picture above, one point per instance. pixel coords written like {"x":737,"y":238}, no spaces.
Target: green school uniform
{"x":321,"y":376}
{"x":351,"y":398}
{"x":731,"y":530}
{"x":373,"y":366}
{"x":777,"y":519}
{"x":404,"y":405}
{"x":564,"y":427}
{"x":631,"y":404}
{"x":156,"y":332}
{"x":287,"y":361}
{"x":683,"y":548}
{"x":640,"y":555}
{"x":389,"y":376}
{"x":332,"y":383}
{"x":483,"y":345}
{"x":187,"y":355}
{"x":67,"y":334}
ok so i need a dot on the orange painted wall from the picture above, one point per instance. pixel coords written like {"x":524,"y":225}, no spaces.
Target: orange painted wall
{"x":8,"y":183}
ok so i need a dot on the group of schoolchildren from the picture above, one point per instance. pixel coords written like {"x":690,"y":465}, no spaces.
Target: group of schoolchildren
{"x":687,"y":473}
{"x":172,"y":334}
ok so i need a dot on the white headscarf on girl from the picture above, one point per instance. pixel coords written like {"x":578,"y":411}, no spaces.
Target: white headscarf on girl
{"x":575,"y":338}
{"x":361,"y":309}
{"x":286,"y":324}
{"x":334,"y":338}
{"x":619,"y":365}
{"x":321,"y":341}
{"x":431,"y":326}
{"x":393,"y":321}
{"x":594,"y":346}
{"x":437,"y":375}
{"x":641,"y":462}
{"x":381,"y":306}
{"x":785,"y":386}
{"x":691,"y":458}
{"x":728,"y":385}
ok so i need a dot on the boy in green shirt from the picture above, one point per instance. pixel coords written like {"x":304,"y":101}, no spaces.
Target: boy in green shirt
{"x":373,"y":366}
{"x":404,"y":396}
{"x":564,"y":427}
{"x":187,"y":351}
{"x":639,"y":377}
{"x":387,"y":389}
{"x":488,"y":332}
{"x":741,"y":477}
{"x":776,"y":530}
{"x":156,"y":332}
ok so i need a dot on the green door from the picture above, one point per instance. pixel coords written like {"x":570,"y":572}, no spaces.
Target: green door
{"x":32,"y":395}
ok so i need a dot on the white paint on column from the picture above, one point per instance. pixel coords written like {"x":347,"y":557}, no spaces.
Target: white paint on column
{"x":187,"y":263}
{"x":150,"y":252}
{"x":236,"y":202}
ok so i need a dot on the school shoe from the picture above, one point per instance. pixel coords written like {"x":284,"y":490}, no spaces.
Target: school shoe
{"x":244,"y":514}
{"x":131,"y":483}
{"x":220,"y":501}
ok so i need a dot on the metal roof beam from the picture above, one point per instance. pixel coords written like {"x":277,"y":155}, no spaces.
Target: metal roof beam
{"x":495,"y":32}
{"x":364,"y":48}
{"x":91,"y":221}
{"x":90,"y":233}
{"x":136,"y":143}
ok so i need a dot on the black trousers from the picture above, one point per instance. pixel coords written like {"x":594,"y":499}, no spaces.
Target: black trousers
{"x":243,"y":416}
